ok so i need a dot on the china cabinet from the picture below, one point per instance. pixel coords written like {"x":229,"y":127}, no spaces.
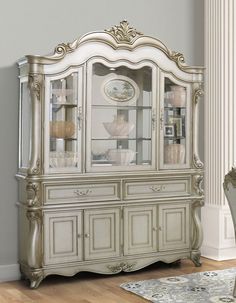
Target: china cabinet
{"x":109,"y":174}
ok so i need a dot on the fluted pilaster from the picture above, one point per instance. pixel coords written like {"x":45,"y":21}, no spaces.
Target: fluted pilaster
{"x":220,"y":128}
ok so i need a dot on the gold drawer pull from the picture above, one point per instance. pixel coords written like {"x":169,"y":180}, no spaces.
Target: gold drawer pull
{"x":83,"y":192}
{"x":156,"y":188}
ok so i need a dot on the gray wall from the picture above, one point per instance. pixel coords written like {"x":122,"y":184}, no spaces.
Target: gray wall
{"x":30,"y":27}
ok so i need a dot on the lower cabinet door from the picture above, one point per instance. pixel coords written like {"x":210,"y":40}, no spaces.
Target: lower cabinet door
{"x":62,"y":237}
{"x":174,"y":226}
{"x":140,"y":230}
{"x":101,"y":233}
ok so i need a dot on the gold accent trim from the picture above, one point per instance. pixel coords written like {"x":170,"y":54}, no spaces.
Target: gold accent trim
{"x":197,"y":162}
{"x":34,"y":215}
{"x":123,"y":266}
{"x":35,"y":170}
{"x":121,"y":36}
{"x":178,"y":58}
{"x":197,"y":94}
{"x":35,"y":85}
{"x":33,"y":190}
{"x":198,"y":184}
{"x":64,"y":48}
{"x":124,"y":33}
{"x":230,"y":178}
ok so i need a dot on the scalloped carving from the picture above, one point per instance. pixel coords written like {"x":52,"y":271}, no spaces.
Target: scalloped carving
{"x":124,"y":33}
{"x":123,"y":266}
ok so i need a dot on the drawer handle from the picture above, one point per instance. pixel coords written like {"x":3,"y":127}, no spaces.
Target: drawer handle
{"x":83,"y":192}
{"x":156,"y":188}
{"x":87,"y":235}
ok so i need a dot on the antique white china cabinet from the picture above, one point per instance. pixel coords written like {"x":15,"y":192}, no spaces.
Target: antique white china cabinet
{"x":109,"y":174}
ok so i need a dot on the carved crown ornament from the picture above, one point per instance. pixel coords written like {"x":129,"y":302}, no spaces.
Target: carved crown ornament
{"x":122,"y":36}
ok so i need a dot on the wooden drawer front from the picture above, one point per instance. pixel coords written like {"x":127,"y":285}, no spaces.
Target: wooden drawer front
{"x":153,"y":189}
{"x":82,"y":192}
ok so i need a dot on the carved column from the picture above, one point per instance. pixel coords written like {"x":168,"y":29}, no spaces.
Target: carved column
{"x":220,"y":128}
{"x":35,"y":87}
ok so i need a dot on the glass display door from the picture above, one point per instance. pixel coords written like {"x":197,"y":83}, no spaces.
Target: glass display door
{"x":175,"y":126}
{"x":64,"y":123}
{"x":121,"y":117}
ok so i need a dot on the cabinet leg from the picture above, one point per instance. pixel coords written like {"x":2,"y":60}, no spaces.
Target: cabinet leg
{"x":195,"y":257}
{"x":34,"y":283}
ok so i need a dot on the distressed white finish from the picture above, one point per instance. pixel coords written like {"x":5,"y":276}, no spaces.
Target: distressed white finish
{"x":174,"y":226}
{"x":220,"y":134}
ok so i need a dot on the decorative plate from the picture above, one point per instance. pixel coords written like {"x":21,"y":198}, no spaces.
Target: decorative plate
{"x":120,"y":90}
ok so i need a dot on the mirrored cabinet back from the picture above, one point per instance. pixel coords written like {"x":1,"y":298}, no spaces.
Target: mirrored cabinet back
{"x":109,"y":174}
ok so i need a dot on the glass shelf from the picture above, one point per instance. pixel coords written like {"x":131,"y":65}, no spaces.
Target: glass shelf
{"x":131,"y":107}
{"x":118,"y":139}
{"x":63,"y":139}
{"x":63,"y":104}
{"x":174,"y":138}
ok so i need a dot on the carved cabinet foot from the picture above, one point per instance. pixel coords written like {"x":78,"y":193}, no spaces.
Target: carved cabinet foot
{"x":35,"y":278}
{"x":195,"y":257}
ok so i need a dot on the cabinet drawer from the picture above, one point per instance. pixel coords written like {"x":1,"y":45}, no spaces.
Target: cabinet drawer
{"x":153,"y":189}
{"x":82,"y":192}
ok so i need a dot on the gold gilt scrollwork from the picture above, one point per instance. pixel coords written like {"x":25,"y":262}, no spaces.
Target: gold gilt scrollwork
{"x":32,"y":190}
{"x":197,"y":94}
{"x":36,"y":169}
{"x":34,"y":215}
{"x":230,"y":178}
{"x":123,"y":33}
{"x":64,"y":48}
{"x":178,"y":58}
{"x":197,"y":162}
{"x":123,"y":266}
{"x":198,"y":184}
{"x":35,"y":85}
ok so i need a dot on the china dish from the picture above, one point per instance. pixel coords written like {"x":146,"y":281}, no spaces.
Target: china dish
{"x":119,"y":128}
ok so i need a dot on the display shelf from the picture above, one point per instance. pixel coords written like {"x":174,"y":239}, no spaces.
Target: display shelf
{"x":121,"y":107}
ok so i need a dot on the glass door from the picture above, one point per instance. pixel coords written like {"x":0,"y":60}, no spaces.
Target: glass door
{"x":175,"y":126}
{"x":121,"y":117}
{"x":63,"y":123}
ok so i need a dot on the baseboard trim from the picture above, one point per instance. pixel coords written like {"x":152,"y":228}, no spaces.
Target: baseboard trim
{"x":9,"y":272}
{"x":218,"y":254}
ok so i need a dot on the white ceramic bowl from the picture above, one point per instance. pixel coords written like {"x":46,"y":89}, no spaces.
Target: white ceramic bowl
{"x":119,"y":128}
{"x":62,"y":159}
{"x":121,"y":156}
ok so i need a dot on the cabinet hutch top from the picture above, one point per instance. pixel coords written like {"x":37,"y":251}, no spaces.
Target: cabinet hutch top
{"x":118,"y":37}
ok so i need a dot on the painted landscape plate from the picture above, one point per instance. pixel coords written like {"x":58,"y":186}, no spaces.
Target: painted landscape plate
{"x":120,"y":90}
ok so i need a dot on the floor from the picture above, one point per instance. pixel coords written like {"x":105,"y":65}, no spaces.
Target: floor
{"x":94,"y":288}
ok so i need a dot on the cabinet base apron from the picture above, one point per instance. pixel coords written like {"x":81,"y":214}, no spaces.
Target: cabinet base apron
{"x":107,"y":267}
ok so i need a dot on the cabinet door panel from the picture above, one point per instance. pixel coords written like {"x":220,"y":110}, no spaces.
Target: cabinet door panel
{"x":62,"y":237}
{"x":102,"y":233}
{"x":139,"y":230}
{"x":174,"y":226}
